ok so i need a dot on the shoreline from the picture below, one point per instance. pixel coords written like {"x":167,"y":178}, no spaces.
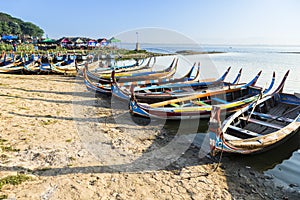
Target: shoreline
{"x":119,"y":53}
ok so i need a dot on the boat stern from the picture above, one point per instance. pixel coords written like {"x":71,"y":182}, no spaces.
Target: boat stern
{"x":215,"y":132}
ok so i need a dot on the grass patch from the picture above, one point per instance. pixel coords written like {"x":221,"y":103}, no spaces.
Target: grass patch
{"x":2,"y":141}
{"x":72,"y":158}
{"x":13,"y":180}
{"x":6,"y":147}
{"x":23,"y":108}
{"x":48,"y":122}
{"x":69,"y":140}
{"x":3,"y":84}
{"x":3,"y":196}
{"x":9,"y":148}
{"x":3,"y":157}
{"x":40,"y":95}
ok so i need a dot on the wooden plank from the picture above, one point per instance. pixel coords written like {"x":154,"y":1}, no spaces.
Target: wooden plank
{"x":230,"y":137}
{"x":244,"y":131}
{"x":201,"y":103}
{"x":219,"y":100}
{"x":192,"y":97}
{"x":186,"y":104}
{"x":269,"y":116}
{"x":276,"y":126}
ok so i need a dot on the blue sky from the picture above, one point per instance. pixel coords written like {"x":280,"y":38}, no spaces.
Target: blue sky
{"x":207,"y":22}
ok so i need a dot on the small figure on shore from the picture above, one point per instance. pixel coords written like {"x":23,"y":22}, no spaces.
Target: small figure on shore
{"x":14,"y":47}
{"x":3,"y":54}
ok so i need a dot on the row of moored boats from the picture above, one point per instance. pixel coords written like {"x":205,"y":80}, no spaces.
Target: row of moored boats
{"x":40,"y":64}
{"x":259,"y":118}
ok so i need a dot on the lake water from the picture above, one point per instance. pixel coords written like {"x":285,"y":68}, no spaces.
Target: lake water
{"x":283,"y":162}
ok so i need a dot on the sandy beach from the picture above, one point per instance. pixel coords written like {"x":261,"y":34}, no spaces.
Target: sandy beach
{"x":41,"y":138}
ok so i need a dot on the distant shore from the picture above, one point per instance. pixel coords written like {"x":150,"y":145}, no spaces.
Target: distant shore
{"x":292,"y":52}
{"x":119,"y":54}
{"x":190,"y":52}
{"x":145,"y":54}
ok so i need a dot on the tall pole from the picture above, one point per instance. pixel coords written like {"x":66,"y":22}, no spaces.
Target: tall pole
{"x":137,"y":46}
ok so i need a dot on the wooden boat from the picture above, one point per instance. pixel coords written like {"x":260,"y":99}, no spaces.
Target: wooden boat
{"x":229,"y":98}
{"x":32,"y":67}
{"x":45,"y":68}
{"x":126,"y":68}
{"x":95,"y":77}
{"x":189,"y":77}
{"x":106,"y":88}
{"x":37,"y":68}
{"x":5,"y":60}
{"x":16,"y":67}
{"x":160,"y":74}
{"x":163,"y":92}
{"x":258,"y":127}
{"x":15,"y":63}
{"x":12,"y":70}
{"x":59,"y":58}
{"x":69,"y":67}
{"x":59,"y":70}
{"x":134,"y":76}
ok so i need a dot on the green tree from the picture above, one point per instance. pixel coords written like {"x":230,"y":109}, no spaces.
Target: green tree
{"x":29,"y":28}
{"x":15,"y":28}
{"x":10,"y":25}
{"x":5,"y":28}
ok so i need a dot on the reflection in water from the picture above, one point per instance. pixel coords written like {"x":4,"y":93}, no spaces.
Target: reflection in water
{"x":269,"y":159}
{"x":287,"y":172}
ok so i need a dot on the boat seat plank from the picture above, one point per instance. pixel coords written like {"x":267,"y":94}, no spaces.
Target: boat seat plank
{"x":200,"y":103}
{"x":244,"y":131}
{"x":186,"y":104}
{"x":230,"y":137}
{"x":276,"y":126}
{"x":268,"y":116}
{"x":219,"y":100}
{"x":177,"y":91}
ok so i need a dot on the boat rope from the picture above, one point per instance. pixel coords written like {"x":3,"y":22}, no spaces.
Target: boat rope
{"x":290,"y":111}
{"x":221,"y":156}
{"x":256,"y":102}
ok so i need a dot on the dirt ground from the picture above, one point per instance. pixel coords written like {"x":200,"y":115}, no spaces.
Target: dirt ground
{"x":43,"y":122}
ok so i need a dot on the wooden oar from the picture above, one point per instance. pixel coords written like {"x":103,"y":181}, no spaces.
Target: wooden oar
{"x":289,"y":111}
{"x":282,"y":116}
{"x":256,"y":101}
